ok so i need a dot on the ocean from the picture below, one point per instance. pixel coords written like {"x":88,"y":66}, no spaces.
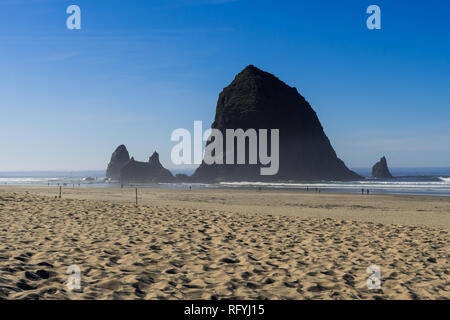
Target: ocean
{"x":419,"y":181}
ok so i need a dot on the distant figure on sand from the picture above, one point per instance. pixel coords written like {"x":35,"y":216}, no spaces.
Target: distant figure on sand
{"x":362,"y":191}
{"x":190,"y":188}
{"x":367,"y":191}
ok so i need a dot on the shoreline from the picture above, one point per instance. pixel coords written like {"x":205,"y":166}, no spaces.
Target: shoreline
{"x":378,"y":208}
{"x":421,"y":186}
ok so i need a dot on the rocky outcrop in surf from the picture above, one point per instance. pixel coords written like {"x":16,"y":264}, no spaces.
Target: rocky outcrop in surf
{"x":257,"y":99}
{"x":145,"y":172}
{"x":127,"y":170}
{"x":381,"y":170}
{"x":119,"y":158}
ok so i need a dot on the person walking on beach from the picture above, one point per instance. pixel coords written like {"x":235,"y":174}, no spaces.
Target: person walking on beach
{"x":367,"y":191}
{"x":362,"y":191}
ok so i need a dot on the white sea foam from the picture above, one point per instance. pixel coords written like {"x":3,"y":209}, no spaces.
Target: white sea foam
{"x":437,"y":185}
{"x":434,"y":187}
{"x":25,"y":180}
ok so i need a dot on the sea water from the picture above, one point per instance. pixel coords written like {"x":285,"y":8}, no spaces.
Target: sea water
{"x":420,"y":181}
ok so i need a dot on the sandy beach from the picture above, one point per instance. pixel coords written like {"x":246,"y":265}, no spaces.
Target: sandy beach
{"x":221,"y":244}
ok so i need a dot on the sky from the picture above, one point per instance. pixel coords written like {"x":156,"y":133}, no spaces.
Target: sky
{"x":138,"y":70}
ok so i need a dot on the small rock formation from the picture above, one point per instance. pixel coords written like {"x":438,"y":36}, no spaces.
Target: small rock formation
{"x":118,"y":159}
{"x":145,"y":172}
{"x":257,"y":99}
{"x":380,"y":170}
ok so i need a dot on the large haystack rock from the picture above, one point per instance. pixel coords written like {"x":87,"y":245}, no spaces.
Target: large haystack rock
{"x":257,"y":99}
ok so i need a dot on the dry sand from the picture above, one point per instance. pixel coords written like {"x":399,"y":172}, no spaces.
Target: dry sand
{"x":208,"y":244}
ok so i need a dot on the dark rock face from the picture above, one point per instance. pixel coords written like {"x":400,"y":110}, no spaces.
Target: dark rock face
{"x":145,"y":172}
{"x":181,"y":177}
{"x":118,"y":159}
{"x":257,"y":99}
{"x":380,"y":170}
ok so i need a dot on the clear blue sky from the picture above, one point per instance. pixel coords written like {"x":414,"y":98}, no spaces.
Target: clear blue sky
{"x":137,"y":70}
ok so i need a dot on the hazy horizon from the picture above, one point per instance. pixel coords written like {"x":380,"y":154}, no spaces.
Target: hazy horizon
{"x":357,"y":169}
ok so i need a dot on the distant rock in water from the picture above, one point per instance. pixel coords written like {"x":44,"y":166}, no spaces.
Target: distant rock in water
{"x":118,"y":159}
{"x":257,"y":99}
{"x":145,"y":172}
{"x":380,"y":170}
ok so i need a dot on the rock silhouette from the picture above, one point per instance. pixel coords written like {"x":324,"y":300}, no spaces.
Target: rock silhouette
{"x":118,"y":159}
{"x":145,"y":172}
{"x":257,"y":99}
{"x":380,"y":170}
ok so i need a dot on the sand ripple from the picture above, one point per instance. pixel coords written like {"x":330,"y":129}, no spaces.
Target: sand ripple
{"x":145,"y":252}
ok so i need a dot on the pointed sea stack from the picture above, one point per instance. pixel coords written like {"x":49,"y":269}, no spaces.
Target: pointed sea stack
{"x":145,"y":172}
{"x":118,"y":159}
{"x":380,"y":170}
{"x":257,"y":99}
